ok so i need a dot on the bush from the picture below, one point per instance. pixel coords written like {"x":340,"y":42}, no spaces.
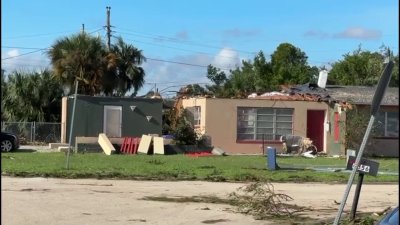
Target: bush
{"x":183,"y":131}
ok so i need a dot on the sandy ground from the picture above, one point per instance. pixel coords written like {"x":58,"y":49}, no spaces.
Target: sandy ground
{"x":48,"y":201}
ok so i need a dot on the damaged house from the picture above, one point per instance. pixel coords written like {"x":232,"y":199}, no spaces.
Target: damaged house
{"x":247,"y":126}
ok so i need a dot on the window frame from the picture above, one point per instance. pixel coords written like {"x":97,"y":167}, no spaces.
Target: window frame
{"x":384,"y":132}
{"x":254,"y":129}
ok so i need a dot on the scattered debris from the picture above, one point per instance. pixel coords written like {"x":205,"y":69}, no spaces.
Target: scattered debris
{"x":309,"y":154}
{"x":144,"y":145}
{"x":105,"y":144}
{"x":218,"y":151}
{"x":383,"y":212}
{"x":260,"y":200}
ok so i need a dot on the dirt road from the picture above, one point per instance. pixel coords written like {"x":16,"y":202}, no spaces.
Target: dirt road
{"x":31,"y":201}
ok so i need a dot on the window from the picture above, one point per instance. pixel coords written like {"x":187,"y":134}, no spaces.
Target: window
{"x":195,"y":115}
{"x":387,"y":124}
{"x":272,"y":123}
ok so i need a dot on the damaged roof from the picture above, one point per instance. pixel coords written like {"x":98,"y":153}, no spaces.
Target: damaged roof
{"x":362,"y":95}
{"x":341,"y":94}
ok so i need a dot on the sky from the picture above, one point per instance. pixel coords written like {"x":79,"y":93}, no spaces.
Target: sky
{"x":180,"y":38}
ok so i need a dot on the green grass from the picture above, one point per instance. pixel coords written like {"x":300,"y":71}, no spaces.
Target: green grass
{"x":181,"y":167}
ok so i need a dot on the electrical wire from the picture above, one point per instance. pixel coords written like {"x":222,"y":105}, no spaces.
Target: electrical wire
{"x":12,"y":57}
{"x":164,"y":38}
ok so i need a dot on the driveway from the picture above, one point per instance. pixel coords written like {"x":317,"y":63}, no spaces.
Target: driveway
{"x":48,"y":201}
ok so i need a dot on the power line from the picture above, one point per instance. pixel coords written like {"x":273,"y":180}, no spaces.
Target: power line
{"x":182,"y":41}
{"x":39,"y":35}
{"x":12,"y":57}
{"x":20,"y":47}
{"x":182,"y":63}
{"x":187,"y":50}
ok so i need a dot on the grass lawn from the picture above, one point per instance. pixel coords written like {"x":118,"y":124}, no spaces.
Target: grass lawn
{"x":181,"y":167}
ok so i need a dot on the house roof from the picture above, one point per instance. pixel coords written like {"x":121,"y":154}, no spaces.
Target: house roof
{"x":341,"y":94}
{"x":362,"y":95}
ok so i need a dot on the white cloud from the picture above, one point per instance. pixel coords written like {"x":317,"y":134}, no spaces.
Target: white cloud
{"x":227,"y":58}
{"x":13,"y":60}
{"x":349,"y":33}
{"x":359,"y":33}
{"x":13,"y":53}
{"x":170,"y":76}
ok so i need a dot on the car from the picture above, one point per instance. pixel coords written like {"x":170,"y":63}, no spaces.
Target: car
{"x":9,"y":142}
{"x":392,"y":218}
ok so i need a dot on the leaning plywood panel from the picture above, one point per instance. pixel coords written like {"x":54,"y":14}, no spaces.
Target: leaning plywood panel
{"x":158,"y":144}
{"x":105,"y":144}
{"x":144,"y":144}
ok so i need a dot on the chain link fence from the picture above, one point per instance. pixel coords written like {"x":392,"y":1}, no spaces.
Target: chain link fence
{"x":34,"y":132}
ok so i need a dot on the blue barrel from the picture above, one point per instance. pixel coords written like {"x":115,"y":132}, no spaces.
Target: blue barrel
{"x":271,"y":158}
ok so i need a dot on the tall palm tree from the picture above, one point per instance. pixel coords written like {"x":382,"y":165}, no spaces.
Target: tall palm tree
{"x":128,"y":71}
{"x":83,"y":58}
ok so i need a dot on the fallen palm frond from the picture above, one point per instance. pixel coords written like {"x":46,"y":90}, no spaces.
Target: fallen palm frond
{"x":260,"y":200}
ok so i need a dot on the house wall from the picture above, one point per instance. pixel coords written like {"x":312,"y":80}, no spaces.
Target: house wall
{"x":219,"y":121}
{"x":336,"y":147}
{"x":89,"y":116}
{"x":381,"y":146}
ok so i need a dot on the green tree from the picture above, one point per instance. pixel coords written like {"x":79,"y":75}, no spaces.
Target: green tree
{"x":362,"y":68}
{"x":3,"y":93}
{"x":127,"y":69}
{"x":192,"y":90}
{"x":253,"y":76}
{"x":83,"y":58}
{"x":386,"y":52}
{"x":218,"y":77}
{"x":289,"y":66}
{"x":32,"y":96}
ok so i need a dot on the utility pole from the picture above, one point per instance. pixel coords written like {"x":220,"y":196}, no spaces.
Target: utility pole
{"x":73,"y":113}
{"x":108,"y":26}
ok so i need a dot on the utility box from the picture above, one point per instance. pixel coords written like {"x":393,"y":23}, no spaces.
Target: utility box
{"x":271,"y":158}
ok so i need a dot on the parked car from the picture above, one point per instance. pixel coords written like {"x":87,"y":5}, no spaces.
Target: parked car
{"x":9,"y":142}
{"x":392,"y":218}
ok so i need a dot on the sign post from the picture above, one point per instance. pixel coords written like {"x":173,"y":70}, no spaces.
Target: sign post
{"x":365,"y":167}
{"x":376,"y":102}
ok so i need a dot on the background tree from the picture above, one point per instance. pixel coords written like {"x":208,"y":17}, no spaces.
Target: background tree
{"x":84,"y":58}
{"x":3,"y":93}
{"x":191,"y":90}
{"x":289,"y":66}
{"x":218,"y":77}
{"x":362,"y":68}
{"x":32,"y":96}
{"x":127,"y":69}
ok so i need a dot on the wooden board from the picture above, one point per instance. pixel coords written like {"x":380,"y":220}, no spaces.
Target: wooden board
{"x":105,"y":144}
{"x":158,"y":144}
{"x":144,"y":144}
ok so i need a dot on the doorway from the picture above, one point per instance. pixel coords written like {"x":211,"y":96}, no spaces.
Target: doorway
{"x":315,"y":128}
{"x":112,"y":121}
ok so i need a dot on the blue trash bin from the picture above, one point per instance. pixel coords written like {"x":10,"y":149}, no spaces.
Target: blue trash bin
{"x":271,"y":158}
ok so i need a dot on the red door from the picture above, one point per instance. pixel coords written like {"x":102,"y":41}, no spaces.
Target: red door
{"x":315,"y":128}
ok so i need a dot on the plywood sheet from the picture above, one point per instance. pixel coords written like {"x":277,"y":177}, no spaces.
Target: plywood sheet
{"x":105,"y":144}
{"x":144,"y":144}
{"x":158,"y":144}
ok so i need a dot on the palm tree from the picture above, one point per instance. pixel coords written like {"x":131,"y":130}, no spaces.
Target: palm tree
{"x":83,"y":58}
{"x":127,"y":70}
{"x":32,"y":96}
